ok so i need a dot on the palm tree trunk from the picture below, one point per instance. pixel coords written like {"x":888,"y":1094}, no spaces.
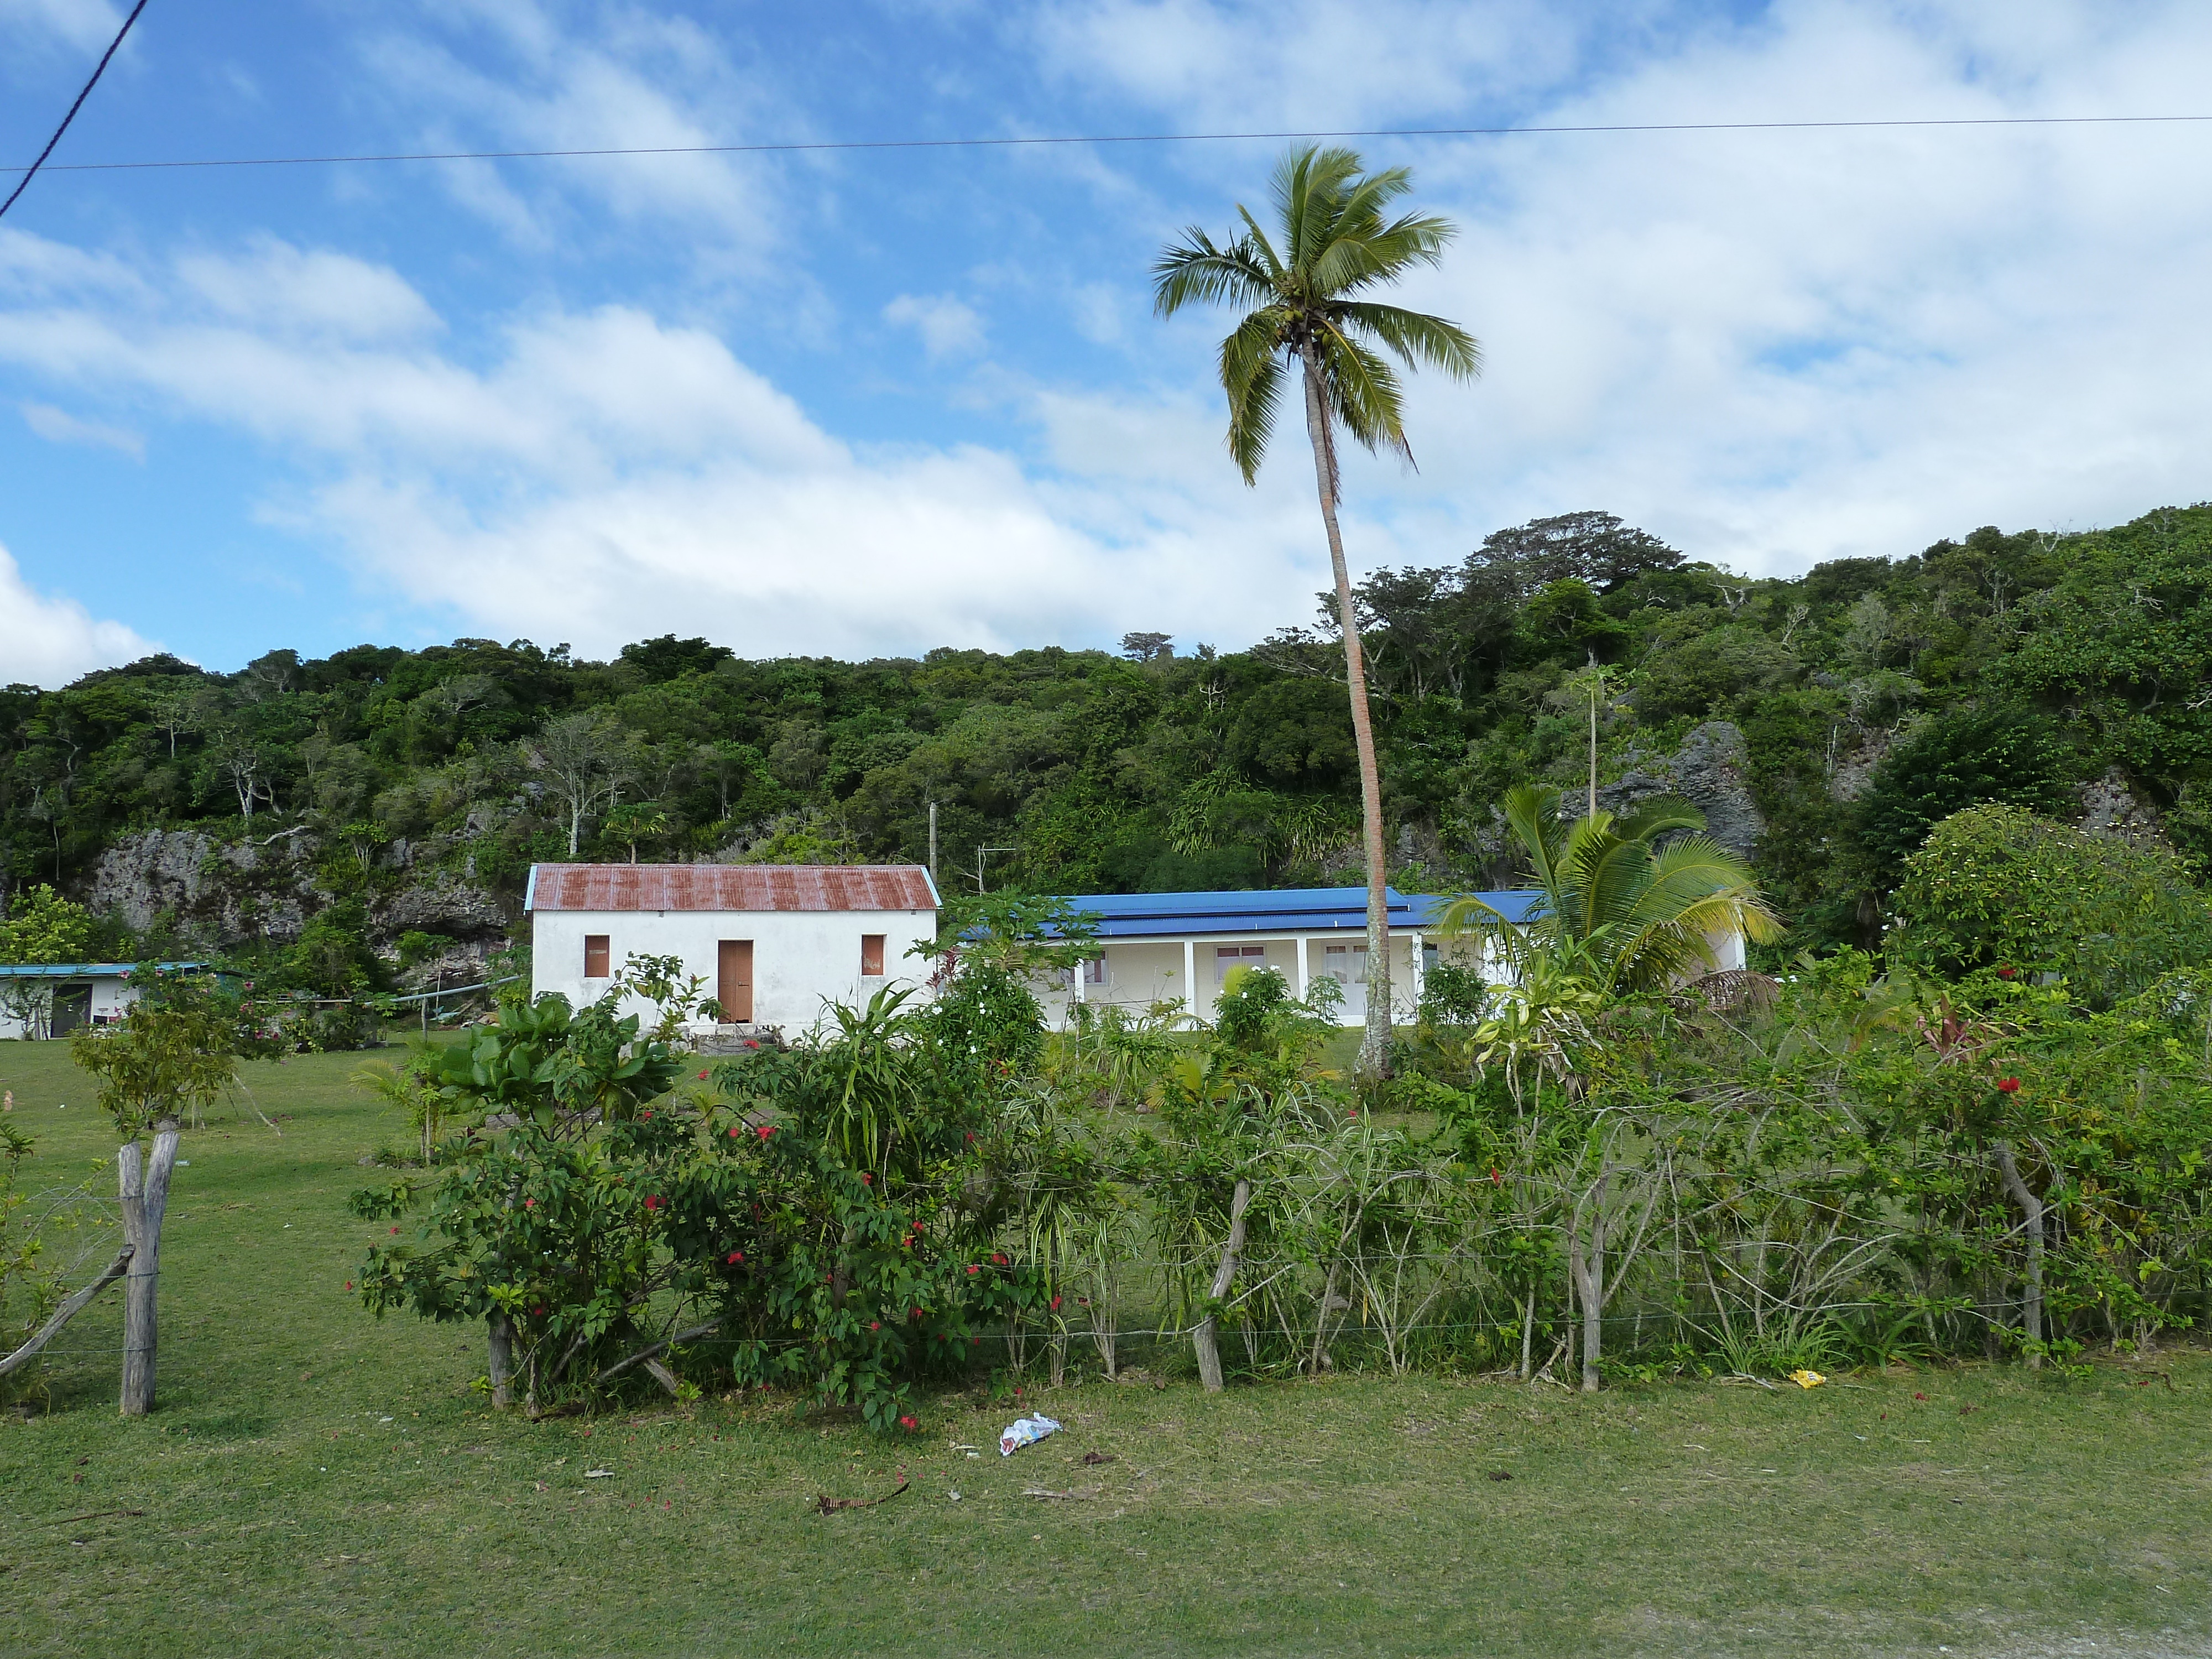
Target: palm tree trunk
{"x":1375,"y":1046}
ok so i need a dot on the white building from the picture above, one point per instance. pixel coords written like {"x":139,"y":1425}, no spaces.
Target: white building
{"x":776,"y":943}
{"x":52,"y":1000}
{"x":1154,"y":947}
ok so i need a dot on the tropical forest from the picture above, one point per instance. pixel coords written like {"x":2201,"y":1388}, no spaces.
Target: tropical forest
{"x":1824,"y":725}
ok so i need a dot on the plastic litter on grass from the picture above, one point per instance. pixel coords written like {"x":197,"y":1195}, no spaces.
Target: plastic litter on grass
{"x":1024,"y":1431}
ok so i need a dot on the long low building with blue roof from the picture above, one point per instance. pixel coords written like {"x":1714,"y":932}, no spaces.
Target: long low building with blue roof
{"x":52,"y":998}
{"x":1159,"y":947}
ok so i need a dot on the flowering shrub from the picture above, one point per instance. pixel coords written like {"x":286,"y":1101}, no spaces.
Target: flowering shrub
{"x":617,"y":1230}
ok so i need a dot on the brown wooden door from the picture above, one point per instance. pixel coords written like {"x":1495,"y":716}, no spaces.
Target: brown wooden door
{"x":733,"y":980}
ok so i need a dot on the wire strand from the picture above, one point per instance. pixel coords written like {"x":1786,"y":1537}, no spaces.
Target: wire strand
{"x":31,"y":171}
{"x":866,"y":144}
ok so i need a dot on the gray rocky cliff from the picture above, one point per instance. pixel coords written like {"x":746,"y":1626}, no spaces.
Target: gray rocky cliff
{"x":1708,"y":770}
{"x":226,"y":894}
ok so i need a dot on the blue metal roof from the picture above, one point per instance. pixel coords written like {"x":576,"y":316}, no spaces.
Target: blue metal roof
{"x":91,"y":970}
{"x":1279,"y":910}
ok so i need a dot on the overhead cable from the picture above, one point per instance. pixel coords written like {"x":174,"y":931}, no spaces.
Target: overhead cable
{"x":99,"y":69}
{"x":845,"y":144}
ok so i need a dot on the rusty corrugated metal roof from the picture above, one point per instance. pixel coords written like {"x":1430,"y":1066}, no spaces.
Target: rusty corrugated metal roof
{"x":730,"y":887}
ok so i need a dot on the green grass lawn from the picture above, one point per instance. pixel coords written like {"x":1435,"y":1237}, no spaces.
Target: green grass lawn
{"x":316,"y":1482}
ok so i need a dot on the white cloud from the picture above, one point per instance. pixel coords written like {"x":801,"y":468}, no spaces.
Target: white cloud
{"x":276,"y":286}
{"x":948,"y":328}
{"x":1779,"y":347}
{"x":516,"y":75}
{"x":1275,"y":64}
{"x":604,"y":476}
{"x":49,"y":641}
{"x":58,"y":426}
{"x":84,"y":25}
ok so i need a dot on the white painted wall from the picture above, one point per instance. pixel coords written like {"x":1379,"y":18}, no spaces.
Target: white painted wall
{"x":1139,"y":972}
{"x":802,"y":959}
{"x":111,"y":997}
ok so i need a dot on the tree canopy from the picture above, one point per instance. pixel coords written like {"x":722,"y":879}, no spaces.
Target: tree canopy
{"x":1873,"y":698}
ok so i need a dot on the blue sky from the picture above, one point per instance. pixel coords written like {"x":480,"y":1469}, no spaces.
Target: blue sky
{"x":869,"y":403}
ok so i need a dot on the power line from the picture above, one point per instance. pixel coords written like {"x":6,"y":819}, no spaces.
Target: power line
{"x":1115,"y":138}
{"x":31,"y":171}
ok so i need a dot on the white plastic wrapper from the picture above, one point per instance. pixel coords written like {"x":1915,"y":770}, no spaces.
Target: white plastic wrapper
{"x":1024,"y":1431}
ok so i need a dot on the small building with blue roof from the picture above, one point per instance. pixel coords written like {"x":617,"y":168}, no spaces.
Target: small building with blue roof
{"x":52,"y":998}
{"x":1156,"y":947}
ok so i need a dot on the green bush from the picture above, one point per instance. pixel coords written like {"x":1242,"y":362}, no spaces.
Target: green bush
{"x":1997,"y":887}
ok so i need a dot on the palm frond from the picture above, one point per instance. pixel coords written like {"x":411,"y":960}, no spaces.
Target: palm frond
{"x":1195,"y":270}
{"x":1252,"y":375}
{"x":1264,"y":254}
{"x":1363,"y":392}
{"x":1665,"y":816}
{"x":1418,"y":338}
{"x":1417,"y":238}
{"x":1309,"y":189}
{"x":1371,"y":193}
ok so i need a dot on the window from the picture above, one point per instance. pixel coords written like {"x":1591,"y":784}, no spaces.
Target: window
{"x":595,"y":955}
{"x":1343,"y":963}
{"x":1226,"y":956}
{"x":1094,"y":970}
{"x":872,"y":956}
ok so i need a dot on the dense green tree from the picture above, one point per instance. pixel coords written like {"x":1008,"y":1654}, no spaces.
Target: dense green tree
{"x":1960,"y":760}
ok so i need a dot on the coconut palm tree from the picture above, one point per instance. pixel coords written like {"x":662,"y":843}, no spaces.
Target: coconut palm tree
{"x":1623,"y":910}
{"x":1302,"y":292}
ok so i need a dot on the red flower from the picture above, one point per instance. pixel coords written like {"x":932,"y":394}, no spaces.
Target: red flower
{"x":735,"y":1257}
{"x":2008,"y":1084}
{"x":974,"y":1342}
{"x":875,"y":1324}
{"x":917,"y":1313}
{"x":529,"y":1203}
{"x":972,"y":1268}
{"x":1055,"y":1304}
{"x":645,"y":1114}
{"x":2006,"y":970}
{"x":703,"y":1076}
{"x":395,"y":1230}
{"x":997,"y":1260}
{"x":971,"y":1136}
{"x":733,"y":1132}
{"x":765,"y":1130}
{"x":348,"y":1284}
{"x":908,"y":1424}
{"x":866,"y":1178}
{"x":1496,"y":1179}
{"x":539,"y":1311}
